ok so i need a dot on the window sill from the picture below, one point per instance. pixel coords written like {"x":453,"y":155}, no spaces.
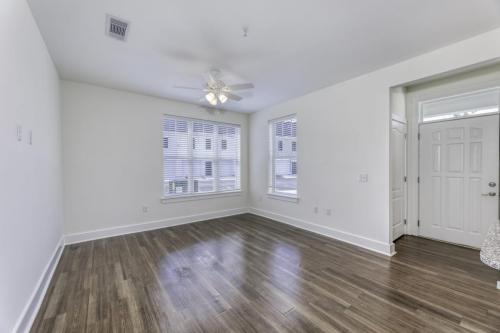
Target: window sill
{"x":194,"y":197}
{"x":283,"y":197}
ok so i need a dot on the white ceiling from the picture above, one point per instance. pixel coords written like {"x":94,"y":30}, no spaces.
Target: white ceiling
{"x":293,"y":46}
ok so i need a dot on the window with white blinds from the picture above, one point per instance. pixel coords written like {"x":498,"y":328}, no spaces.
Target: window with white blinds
{"x":200,"y":157}
{"x":283,"y":159}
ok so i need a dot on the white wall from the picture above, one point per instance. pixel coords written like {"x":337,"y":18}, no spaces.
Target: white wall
{"x":112,"y":150}
{"x":30,"y":175}
{"x":398,"y":103}
{"x":344,"y":131}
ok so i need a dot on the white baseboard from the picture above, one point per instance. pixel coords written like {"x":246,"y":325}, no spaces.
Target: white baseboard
{"x":145,"y":226}
{"x":30,"y":311}
{"x":366,"y":243}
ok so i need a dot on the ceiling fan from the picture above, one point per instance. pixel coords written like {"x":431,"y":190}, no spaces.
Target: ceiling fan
{"x":216,"y":91}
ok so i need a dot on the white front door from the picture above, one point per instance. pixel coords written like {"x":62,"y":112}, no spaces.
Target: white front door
{"x":459,"y":179}
{"x":398,"y":173}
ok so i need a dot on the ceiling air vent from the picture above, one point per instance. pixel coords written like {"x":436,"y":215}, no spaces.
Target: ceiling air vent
{"x":116,"y":28}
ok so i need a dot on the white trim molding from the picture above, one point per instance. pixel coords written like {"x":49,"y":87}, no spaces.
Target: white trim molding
{"x":203,"y":196}
{"x":366,"y":243}
{"x":282,"y":197}
{"x":30,"y":311}
{"x":151,"y":225}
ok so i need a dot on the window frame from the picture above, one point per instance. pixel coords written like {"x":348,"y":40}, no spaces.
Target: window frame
{"x":271,"y":191}
{"x":459,"y":112}
{"x":165,"y":198}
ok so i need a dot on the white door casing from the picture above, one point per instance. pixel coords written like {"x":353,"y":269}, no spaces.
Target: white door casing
{"x":398,"y":181}
{"x":458,"y":161}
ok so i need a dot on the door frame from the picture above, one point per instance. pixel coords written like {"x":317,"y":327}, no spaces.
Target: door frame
{"x":396,"y":118}
{"x":414,"y":104}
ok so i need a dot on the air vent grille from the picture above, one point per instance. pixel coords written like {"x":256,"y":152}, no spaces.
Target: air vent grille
{"x":116,"y":28}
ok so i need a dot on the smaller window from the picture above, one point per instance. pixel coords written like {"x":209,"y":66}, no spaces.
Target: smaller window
{"x":165,"y":142}
{"x":224,"y":144}
{"x":287,"y":128}
{"x":208,"y":168}
{"x":208,"y":144}
{"x":283,"y":157}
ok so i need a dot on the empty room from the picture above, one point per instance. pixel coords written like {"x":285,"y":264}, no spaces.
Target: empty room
{"x":249,"y":166}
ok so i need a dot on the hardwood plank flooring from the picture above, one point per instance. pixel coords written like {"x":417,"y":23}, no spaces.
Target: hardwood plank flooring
{"x":250,"y":274}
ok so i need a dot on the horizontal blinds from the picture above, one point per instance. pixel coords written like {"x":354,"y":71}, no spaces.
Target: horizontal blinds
{"x":284,"y":156}
{"x":200,"y":157}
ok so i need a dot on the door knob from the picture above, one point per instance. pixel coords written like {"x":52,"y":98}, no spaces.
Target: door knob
{"x":489,"y":194}
{"x":492,"y":184}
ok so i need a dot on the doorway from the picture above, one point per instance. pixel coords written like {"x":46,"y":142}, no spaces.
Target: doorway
{"x":458,"y":167}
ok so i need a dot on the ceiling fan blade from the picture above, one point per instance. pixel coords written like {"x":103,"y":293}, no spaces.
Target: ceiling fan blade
{"x":241,"y":86}
{"x":213,"y":76}
{"x":233,"y":97}
{"x":189,"y":88}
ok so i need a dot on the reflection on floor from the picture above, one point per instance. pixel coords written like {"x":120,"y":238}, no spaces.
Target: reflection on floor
{"x":250,"y":274}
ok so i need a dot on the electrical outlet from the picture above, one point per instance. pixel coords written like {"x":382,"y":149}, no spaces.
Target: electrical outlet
{"x":316,"y":210}
{"x":329,"y":212}
{"x":30,"y":137}
{"x":19,"y":133}
{"x":145,"y":209}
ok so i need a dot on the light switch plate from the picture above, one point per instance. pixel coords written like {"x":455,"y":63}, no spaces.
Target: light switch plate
{"x":363,"y":178}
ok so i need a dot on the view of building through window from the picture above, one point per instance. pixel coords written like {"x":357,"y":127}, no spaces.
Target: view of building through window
{"x":283,"y":157}
{"x":200,"y":157}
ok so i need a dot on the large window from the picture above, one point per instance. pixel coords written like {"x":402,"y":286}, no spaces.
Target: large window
{"x":283,"y":160}
{"x":200,"y":157}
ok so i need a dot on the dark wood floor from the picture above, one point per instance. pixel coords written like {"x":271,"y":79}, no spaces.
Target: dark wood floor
{"x":250,"y":274}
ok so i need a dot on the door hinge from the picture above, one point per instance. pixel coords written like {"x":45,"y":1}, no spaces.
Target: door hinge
{"x":418,"y":136}
{"x":404,"y":221}
{"x":418,"y":180}
{"x":418,"y":223}
{"x":405,"y":179}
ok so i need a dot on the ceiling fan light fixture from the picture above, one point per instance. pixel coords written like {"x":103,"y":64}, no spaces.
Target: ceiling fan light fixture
{"x":211,"y":98}
{"x":222,"y":98}
{"x":216,"y":91}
